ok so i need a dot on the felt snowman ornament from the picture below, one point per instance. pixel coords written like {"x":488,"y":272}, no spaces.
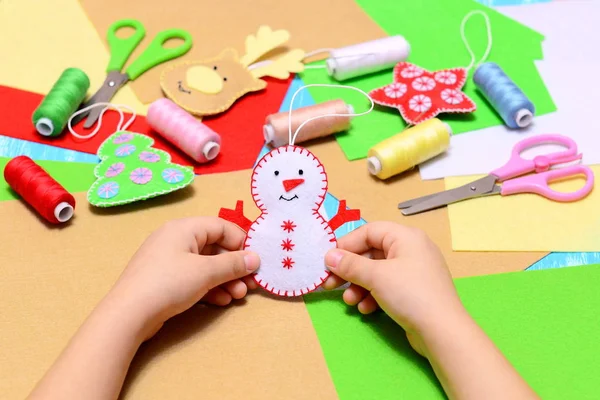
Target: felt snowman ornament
{"x":291,"y":237}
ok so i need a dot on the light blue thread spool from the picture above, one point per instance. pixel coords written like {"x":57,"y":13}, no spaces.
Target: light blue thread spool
{"x":504,"y":95}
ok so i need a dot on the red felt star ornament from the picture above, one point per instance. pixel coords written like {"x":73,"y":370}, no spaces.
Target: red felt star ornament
{"x":420,"y":94}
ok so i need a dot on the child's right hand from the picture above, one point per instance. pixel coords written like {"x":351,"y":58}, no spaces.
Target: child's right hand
{"x":407,"y":277}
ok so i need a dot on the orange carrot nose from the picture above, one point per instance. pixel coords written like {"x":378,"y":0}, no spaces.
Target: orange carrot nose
{"x":289,"y":184}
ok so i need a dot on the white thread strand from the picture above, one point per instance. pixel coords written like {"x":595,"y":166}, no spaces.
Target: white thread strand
{"x":292,"y":138}
{"x":121,"y":126}
{"x":466,"y":42}
{"x":318,"y":51}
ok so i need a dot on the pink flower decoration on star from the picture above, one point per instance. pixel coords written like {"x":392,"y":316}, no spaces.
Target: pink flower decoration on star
{"x":141,"y":176}
{"x":423,"y":84}
{"x":445,"y":77}
{"x":395,"y":90}
{"x":427,"y":93}
{"x":452,"y":96}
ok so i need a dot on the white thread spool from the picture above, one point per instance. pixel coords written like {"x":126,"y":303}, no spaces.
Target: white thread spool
{"x":368,"y":57}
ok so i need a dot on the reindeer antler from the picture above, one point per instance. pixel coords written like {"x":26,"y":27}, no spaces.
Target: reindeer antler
{"x":281,"y":67}
{"x":265,"y":40}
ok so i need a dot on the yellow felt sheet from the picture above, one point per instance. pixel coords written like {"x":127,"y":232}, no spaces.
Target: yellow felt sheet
{"x":526,"y":222}
{"x":39,"y":39}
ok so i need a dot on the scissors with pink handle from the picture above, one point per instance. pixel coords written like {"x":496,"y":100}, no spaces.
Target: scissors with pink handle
{"x":508,"y":173}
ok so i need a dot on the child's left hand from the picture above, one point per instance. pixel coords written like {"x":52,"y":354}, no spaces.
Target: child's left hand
{"x":180,"y":264}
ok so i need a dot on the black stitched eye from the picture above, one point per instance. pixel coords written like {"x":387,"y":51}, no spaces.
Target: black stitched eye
{"x":215,"y":67}
{"x":301,"y":172}
{"x":276,"y":173}
{"x":225,"y":79}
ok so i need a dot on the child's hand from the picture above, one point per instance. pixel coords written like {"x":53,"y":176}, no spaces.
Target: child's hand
{"x":407,"y":276}
{"x":176,"y":267}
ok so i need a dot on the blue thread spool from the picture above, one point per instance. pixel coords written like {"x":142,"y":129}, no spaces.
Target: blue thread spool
{"x":504,"y":95}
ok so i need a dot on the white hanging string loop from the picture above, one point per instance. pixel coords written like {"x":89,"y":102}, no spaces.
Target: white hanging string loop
{"x":292,"y":138}
{"x":488,"y":27}
{"x":121,"y":126}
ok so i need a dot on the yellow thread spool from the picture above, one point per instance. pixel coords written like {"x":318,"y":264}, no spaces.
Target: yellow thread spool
{"x":409,"y":148}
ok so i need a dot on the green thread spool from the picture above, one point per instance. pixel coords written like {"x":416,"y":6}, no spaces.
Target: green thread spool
{"x":52,"y":115}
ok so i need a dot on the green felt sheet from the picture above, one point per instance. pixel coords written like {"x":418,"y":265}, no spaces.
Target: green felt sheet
{"x":75,"y":177}
{"x":432,"y":28}
{"x":546,"y":322}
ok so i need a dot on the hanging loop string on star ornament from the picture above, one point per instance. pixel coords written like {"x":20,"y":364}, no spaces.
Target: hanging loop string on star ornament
{"x":488,"y":28}
{"x":121,"y":126}
{"x":503,"y":94}
{"x":292,"y":137}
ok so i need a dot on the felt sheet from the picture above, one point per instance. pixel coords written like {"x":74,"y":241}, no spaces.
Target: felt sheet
{"x":74,"y":177}
{"x":526,"y":222}
{"x":75,"y":43}
{"x":568,"y":27}
{"x":53,"y":277}
{"x":378,"y":201}
{"x":240,"y":128}
{"x":545,"y":323}
{"x":435,"y":24}
{"x":216,"y":25}
{"x":67,"y":39}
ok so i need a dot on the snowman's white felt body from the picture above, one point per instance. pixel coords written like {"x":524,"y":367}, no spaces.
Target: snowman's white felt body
{"x":290,"y":236}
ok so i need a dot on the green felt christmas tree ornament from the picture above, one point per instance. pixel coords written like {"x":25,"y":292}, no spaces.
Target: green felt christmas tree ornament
{"x":131,"y":169}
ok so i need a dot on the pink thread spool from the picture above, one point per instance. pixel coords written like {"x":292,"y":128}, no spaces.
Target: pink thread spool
{"x":183,"y":130}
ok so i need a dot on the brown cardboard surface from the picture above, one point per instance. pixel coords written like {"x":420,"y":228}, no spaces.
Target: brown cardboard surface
{"x":264,"y":348}
{"x":378,"y":200}
{"x":53,"y":276}
{"x":216,"y":25}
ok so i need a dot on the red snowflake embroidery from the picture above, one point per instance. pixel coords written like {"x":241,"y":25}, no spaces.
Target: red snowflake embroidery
{"x":287,"y":245}
{"x":288,"y":226}
{"x":287,"y":263}
{"x":420,"y":94}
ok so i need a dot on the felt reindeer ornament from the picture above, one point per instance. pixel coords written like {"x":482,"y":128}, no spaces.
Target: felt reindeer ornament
{"x":211,"y":86}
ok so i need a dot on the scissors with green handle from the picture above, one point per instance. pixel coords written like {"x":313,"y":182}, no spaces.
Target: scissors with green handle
{"x":120,"y":50}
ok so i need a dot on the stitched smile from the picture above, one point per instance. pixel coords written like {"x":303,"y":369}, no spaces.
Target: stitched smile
{"x":182,"y":89}
{"x":286,"y":199}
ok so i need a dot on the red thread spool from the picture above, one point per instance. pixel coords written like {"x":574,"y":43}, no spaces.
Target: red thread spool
{"x":39,"y":189}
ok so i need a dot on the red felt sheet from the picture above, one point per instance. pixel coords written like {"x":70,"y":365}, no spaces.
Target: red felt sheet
{"x":240,"y":127}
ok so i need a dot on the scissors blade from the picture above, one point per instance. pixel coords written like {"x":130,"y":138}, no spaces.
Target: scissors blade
{"x":417,"y":200}
{"x":113,"y":82}
{"x":481,"y":187}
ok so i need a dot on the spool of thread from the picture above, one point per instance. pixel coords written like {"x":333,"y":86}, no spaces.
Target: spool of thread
{"x":504,"y":95}
{"x":39,"y":190}
{"x":51,"y":116}
{"x":183,"y":130}
{"x":409,"y":148}
{"x":276,"y":128}
{"x":368,"y":57}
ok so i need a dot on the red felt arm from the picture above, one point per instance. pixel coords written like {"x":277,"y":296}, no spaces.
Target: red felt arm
{"x":343,"y":215}
{"x":236,"y":216}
